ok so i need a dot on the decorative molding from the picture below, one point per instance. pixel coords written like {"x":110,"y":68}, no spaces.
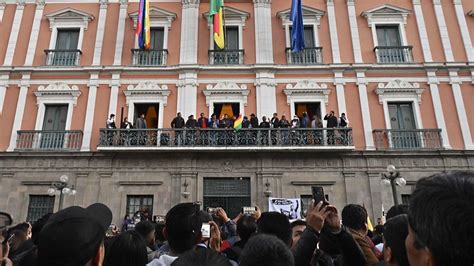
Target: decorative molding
{"x":233,"y":16}
{"x":69,"y":16}
{"x":313,"y":183}
{"x":309,"y":15}
{"x":36,"y":183}
{"x":149,"y":90}
{"x":307,"y":89}
{"x":471,"y":13}
{"x":158,"y":17}
{"x":398,"y":89}
{"x":58,"y":91}
{"x":190,"y":3}
{"x":140,"y":183}
{"x":226,"y":91}
{"x":386,"y":13}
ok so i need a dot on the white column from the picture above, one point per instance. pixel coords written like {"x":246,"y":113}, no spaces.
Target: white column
{"x":86,"y":139}
{"x":2,"y":9}
{"x":336,"y":55}
{"x":443,"y":30}
{"x":438,"y":108}
{"x":189,"y":33}
{"x":99,"y":38}
{"x":466,"y":38}
{"x":354,"y":31}
{"x":265,"y":85}
{"x":263,"y":32}
{"x":20,"y":6}
{"x":461,"y":110}
{"x":114,"y":91}
{"x":120,"y":33}
{"x":30,"y":54}
{"x":420,"y":22}
{"x":20,"y":109}
{"x":341,"y":96}
{"x":3,"y":90}
{"x":187,"y":93}
{"x":365,"y":109}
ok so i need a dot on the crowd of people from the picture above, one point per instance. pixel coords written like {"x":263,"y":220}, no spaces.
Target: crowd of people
{"x":436,"y":229}
{"x":226,"y":121}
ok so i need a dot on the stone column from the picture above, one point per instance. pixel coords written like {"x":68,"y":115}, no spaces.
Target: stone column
{"x":2,"y":8}
{"x":187,"y":93}
{"x":341,"y":96}
{"x":3,"y":90}
{"x":354,"y":31}
{"x":273,"y":179}
{"x":443,"y":30}
{"x":30,"y":54}
{"x":120,"y":32}
{"x":365,"y":110}
{"x":263,"y":32}
{"x":461,"y":110}
{"x":99,"y":38}
{"x":114,"y":92}
{"x":420,"y":22}
{"x":350,"y":182}
{"x":265,"y":86}
{"x":375,"y":187}
{"x":12,"y":41}
{"x":438,"y":108}
{"x":336,"y":55}
{"x":189,"y":32}
{"x":89,"y":120}
{"x":181,"y":193}
{"x":20,"y":109}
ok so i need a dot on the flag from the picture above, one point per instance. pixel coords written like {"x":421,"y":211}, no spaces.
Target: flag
{"x":297,"y":31}
{"x":369,"y":224}
{"x":238,"y":123}
{"x":143,"y":25}
{"x":216,"y":10}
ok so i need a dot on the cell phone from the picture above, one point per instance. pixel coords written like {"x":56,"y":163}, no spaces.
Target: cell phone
{"x":318,"y":195}
{"x":211,"y":210}
{"x":206,"y":230}
{"x":249,"y":210}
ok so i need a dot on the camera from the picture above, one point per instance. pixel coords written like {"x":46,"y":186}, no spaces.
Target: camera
{"x":211,"y":210}
{"x":249,"y":210}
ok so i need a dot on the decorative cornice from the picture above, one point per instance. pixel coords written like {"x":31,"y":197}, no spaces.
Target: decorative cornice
{"x":156,"y":14}
{"x":190,"y":3}
{"x":140,"y":183}
{"x":123,"y":3}
{"x":20,"y":4}
{"x":262,"y":3}
{"x":309,"y":14}
{"x":313,"y":183}
{"x":226,"y":90}
{"x":398,"y":88}
{"x":147,"y":90}
{"x":58,"y":90}
{"x":103,"y":3}
{"x":69,"y":15}
{"x":385,"y":12}
{"x":307,"y":88}
{"x":3,"y":3}
{"x":471,"y":13}
{"x":231,"y":15}
{"x":40,"y":3}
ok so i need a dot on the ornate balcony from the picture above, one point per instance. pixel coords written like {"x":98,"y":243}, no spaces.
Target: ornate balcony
{"x":391,"y":139}
{"x":149,"y":57}
{"x":226,"y":57}
{"x":216,"y":139}
{"x":43,"y":140}
{"x":63,"y":57}
{"x":394,"y":54}
{"x":308,"y":56}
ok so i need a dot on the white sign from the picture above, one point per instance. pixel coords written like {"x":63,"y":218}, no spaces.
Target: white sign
{"x":291,"y":208}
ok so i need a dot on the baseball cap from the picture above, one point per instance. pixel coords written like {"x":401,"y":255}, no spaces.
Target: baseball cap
{"x":73,"y":235}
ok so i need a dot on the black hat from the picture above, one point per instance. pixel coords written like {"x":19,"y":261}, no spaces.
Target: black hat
{"x":73,"y":236}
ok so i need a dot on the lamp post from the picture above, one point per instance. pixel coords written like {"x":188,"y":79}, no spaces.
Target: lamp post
{"x":392,"y":178}
{"x":64,"y":189}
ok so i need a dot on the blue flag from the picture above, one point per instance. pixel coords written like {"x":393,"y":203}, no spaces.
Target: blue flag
{"x":297,"y":32}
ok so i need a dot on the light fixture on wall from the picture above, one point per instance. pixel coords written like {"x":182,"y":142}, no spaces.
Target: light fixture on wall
{"x":392,"y":178}
{"x":267,"y":191}
{"x":185,"y":193}
{"x":63,"y":188}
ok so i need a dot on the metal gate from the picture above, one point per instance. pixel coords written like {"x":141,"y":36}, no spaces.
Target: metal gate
{"x":229,"y":193}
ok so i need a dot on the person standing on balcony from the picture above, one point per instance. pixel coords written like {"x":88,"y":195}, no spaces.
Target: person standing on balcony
{"x":343,"y":123}
{"x":245,"y":122}
{"x":213,"y":122}
{"x":295,"y":123}
{"x":275,"y":122}
{"x":191,"y":123}
{"x":141,"y":124}
{"x":203,"y":121}
{"x":283,"y":123}
{"x":332,"y":123}
{"x":264,"y":123}
{"x":305,"y":121}
{"x":178,"y":121}
{"x":253,"y":121}
{"x":110,"y":124}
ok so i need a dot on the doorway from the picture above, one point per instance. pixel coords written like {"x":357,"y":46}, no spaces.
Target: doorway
{"x":231,"y":109}
{"x":402,"y":122}
{"x":312,"y":108}
{"x":54,"y":126}
{"x":229,"y":193}
{"x":151,"y":112}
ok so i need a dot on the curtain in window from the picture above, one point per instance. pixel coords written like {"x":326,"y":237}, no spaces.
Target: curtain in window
{"x":67,"y":39}
{"x":157,"y":37}
{"x":388,"y":36}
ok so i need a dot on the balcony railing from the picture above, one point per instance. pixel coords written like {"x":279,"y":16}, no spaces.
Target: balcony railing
{"x":45,"y":140}
{"x":63,"y":57}
{"x":226,"y":138}
{"x":226,"y":57}
{"x":149,"y":57}
{"x":391,"y":139}
{"x":308,"y":56}
{"x":394,"y":54}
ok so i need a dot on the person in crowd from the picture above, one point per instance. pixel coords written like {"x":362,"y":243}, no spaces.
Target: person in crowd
{"x":266,"y":250}
{"x":126,"y":124}
{"x":182,"y":230}
{"x":202,"y":121}
{"x":191,"y":123}
{"x":245,"y":122}
{"x":395,"y":233}
{"x":305,"y":121}
{"x":316,"y":122}
{"x":228,"y":227}
{"x":126,"y":249}
{"x":159,"y":237}
{"x":74,"y":236}
{"x":331,"y":120}
{"x":253,"y":121}
{"x":146,"y":229}
{"x":295,"y":123}
{"x":126,"y":222}
{"x":214,"y":121}
{"x":5,"y":249}
{"x":378,"y":235}
{"x":397,"y":210}
{"x":141,"y":122}
{"x":275,"y":122}
{"x":264,"y":123}
{"x":441,"y":219}
{"x":178,"y":121}
{"x":246,"y":227}
{"x":354,"y":217}
{"x":111,"y":122}
{"x":284,"y":122}
{"x":17,"y":238}
{"x":277,"y":224}
{"x":226,"y":122}
{"x":297,"y":228}
{"x":201,"y":257}
{"x":343,"y":121}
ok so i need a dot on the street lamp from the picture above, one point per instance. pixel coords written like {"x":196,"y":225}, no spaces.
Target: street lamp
{"x":64,"y":189}
{"x":393,"y":179}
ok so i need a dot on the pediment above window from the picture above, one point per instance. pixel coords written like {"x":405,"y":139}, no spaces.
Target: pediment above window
{"x":386,"y":13}
{"x":400,"y":90}
{"x":148,"y":90}
{"x":158,"y":17}
{"x":58,"y":92}
{"x":226,"y":91}
{"x":307,"y":89}
{"x":310,"y":15}
{"x":69,"y":17}
{"x":233,"y":16}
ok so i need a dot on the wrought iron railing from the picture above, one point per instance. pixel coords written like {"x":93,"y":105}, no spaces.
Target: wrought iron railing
{"x":392,"y":139}
{"x":276,"y":137}
{"x":394,"y":54}
{"x":63,"y":57}
{"x":226,"y":57}
{"x":308,"y":56}
{"x":67,"y":140}
{"x":149,"y":57}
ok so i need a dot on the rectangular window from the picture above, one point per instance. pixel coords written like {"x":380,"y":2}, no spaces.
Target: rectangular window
{"x":38,"y":206}
{"x":157,"y":38}
{"x":231,"y":38}
{"x":140,"y":203}
{"x":308,"y":36}
{"x":67,"y":39}
{"x":388,"y":36}
{"x":229,"y":193}
{"x":401,"y":116}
